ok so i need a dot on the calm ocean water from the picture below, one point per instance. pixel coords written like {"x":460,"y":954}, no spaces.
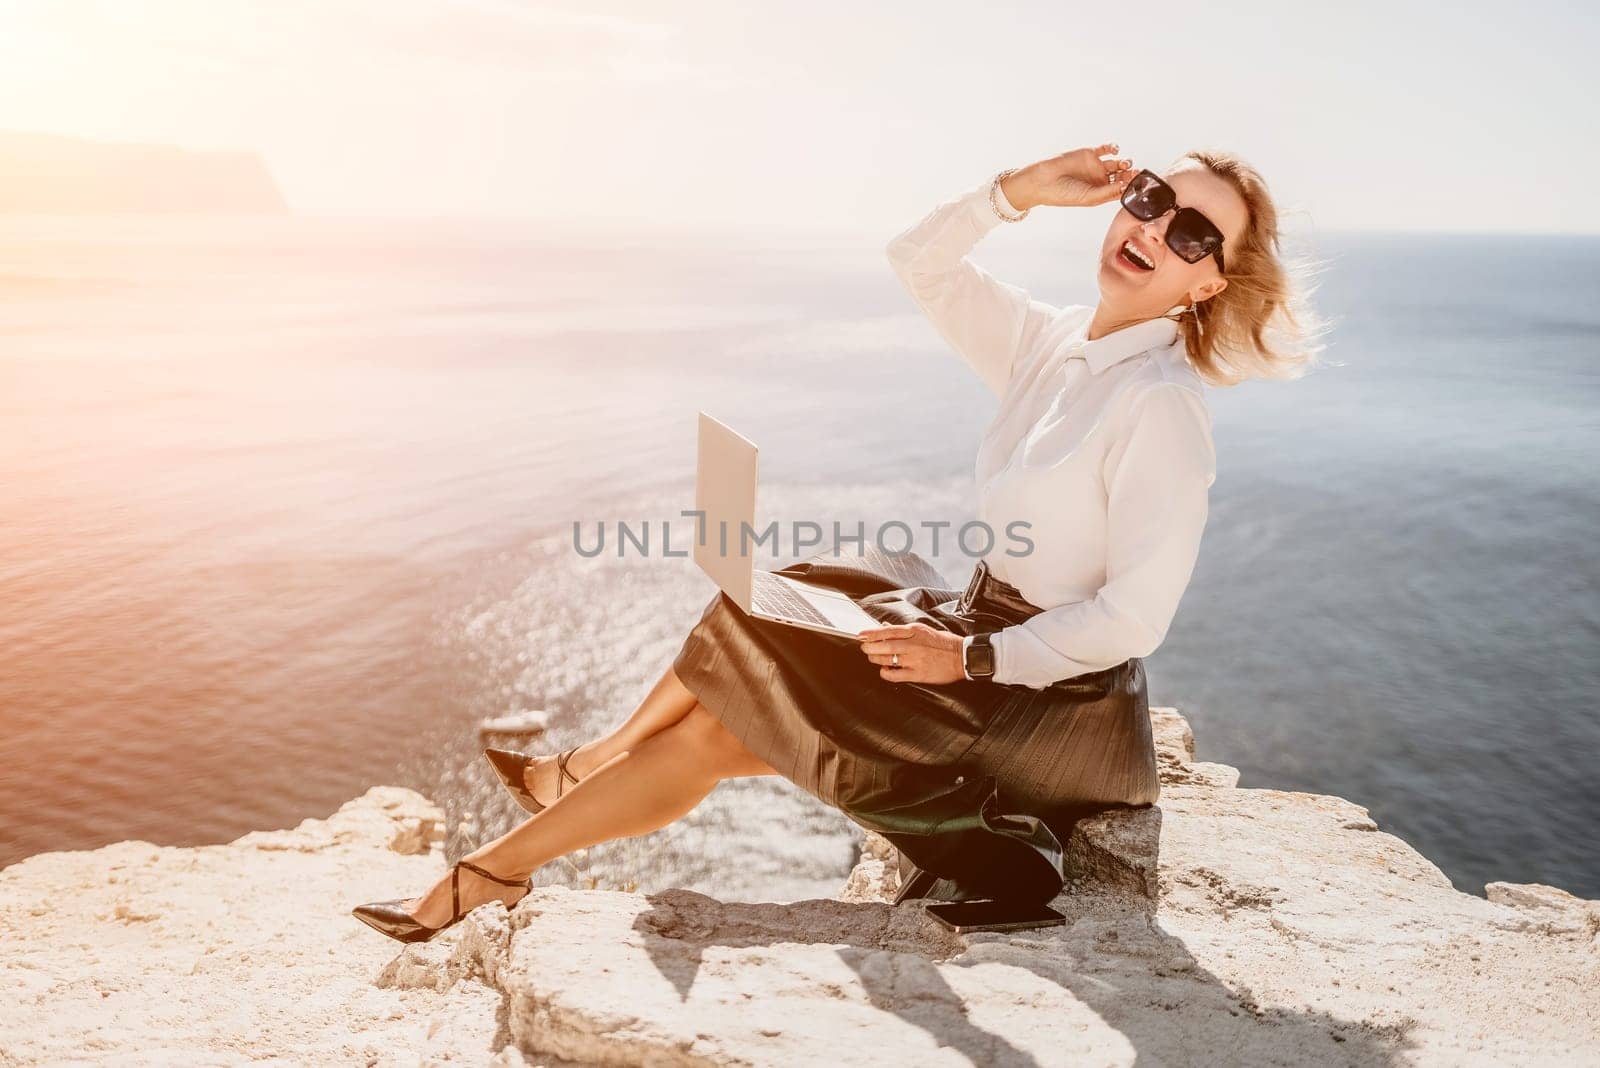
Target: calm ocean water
{"x":288,"y":509}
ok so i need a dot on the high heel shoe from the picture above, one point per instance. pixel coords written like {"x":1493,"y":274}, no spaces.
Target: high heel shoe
{"x":397,"y":923}
{"x":510,"y":766}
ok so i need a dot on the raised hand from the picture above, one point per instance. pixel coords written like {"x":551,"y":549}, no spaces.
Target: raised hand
{"x":1080,"y":178}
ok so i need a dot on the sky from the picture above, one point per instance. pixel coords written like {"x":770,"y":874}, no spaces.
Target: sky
{"x":829,"y":116}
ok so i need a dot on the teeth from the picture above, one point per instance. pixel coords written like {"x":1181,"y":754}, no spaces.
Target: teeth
{"x":1136,"y":254}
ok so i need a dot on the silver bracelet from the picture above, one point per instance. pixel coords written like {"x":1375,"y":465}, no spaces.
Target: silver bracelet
{"x":994,"y":197}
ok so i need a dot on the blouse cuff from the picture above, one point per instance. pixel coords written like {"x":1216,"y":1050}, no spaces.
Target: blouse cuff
{"x":1004,"y":672}
{"x":1021,"y":660}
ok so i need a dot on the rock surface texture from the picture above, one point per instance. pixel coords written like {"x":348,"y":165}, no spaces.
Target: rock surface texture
{"x":1224,"y":926}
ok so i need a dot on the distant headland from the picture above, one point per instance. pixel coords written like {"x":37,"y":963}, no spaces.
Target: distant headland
{"x":49,"y":174}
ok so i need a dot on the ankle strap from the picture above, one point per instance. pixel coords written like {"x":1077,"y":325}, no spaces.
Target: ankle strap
{"x":467,"y":864}
{"x":561,"y":762}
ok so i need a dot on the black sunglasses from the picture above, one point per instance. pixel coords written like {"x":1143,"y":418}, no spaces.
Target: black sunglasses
{"x":1190,"y":234}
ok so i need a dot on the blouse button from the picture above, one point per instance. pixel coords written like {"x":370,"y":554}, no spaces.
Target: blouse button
{"x":960,"y":779}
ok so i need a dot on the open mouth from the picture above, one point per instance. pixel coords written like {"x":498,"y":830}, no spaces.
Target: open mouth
{"x":1134,"y":258}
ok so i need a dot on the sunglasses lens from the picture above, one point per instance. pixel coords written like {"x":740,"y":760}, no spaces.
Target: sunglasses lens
{"x":1192,"y":236}
{"x":1147,"y":197}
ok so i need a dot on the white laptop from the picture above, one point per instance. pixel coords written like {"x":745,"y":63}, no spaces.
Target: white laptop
{"x":725,"y":491}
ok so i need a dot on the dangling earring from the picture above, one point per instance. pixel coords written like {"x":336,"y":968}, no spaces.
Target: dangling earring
{"x":1198,"y":325}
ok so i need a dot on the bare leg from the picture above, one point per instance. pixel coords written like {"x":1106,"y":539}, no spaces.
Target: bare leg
{"x":637,"y":790}
{"x":666,"y":703}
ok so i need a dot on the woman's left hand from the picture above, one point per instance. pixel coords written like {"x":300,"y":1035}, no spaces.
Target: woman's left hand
{"x":925,"y":653}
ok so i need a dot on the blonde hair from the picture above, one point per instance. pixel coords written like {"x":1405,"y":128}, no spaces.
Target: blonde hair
{"x":1262,"y":324}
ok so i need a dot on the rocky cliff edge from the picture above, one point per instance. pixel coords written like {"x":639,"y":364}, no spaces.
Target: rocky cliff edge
{"x":1226,"y":925}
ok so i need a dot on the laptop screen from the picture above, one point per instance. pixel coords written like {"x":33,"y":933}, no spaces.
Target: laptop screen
{"x":725,"y":492}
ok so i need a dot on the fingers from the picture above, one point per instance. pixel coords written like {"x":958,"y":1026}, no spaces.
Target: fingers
{"x":1109,"y":155}
{"x":889,"y":630}
{"x":885,"y":652}
{"x":912,"y":652}
{"x":892,"y":639}
{"x":1093,"y":175}
{"x":917,"y":661}
{"x":883,"y":644}
{"x":895,"y":648}
{"x":906,"y":673}
{"x":1118,"y":169}
{"x":929,"y":673}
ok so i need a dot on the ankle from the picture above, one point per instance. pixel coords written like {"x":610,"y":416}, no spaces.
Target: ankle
{"x":498,"y":865}
{"x":585,"y":759}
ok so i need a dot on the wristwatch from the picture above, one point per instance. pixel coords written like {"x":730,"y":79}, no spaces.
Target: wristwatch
{"x":977,"y":657}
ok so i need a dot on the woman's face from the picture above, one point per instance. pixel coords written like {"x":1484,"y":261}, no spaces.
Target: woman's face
{"x":1144,"y":293}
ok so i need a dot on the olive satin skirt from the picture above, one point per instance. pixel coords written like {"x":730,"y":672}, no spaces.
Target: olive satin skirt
{"x":977,"y":783}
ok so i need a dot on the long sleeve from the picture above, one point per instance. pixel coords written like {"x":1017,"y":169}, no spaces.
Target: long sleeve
{"x":1157,"y":475}
{"x":988,"y":322}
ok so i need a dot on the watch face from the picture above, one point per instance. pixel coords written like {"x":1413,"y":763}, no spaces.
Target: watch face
{"x":980,"y":658}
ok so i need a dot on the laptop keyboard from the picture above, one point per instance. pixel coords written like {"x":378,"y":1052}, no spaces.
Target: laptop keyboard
{"x":772,"y":596}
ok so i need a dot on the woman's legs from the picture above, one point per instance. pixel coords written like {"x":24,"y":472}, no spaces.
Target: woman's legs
{"x":639,"y":788}
{"x":666,"y":703}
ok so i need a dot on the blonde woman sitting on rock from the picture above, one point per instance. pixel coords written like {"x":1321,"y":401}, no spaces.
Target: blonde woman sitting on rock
{"x":973,"y":727}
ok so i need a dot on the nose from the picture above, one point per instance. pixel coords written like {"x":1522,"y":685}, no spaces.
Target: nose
{"x":1156,"y":229}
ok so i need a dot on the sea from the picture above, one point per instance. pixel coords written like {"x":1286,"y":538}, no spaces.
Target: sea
{"x":289,"y":506}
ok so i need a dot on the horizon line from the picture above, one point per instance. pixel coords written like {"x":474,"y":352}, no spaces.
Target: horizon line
{"x":648,"y":226}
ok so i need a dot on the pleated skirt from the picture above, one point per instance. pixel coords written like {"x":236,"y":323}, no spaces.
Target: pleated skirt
{"x":977,"y":783}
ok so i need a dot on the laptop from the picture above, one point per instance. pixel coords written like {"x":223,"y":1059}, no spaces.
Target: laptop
{"x":725,"y":492}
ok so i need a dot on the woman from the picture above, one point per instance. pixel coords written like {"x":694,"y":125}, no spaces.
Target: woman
{"x":973,"y":727}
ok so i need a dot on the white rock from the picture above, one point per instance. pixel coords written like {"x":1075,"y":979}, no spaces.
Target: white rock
{"x":1224,"y":925}
{"x":524,"y":721}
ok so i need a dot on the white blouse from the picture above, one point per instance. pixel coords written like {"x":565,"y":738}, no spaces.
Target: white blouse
{"x":1102,"y":448}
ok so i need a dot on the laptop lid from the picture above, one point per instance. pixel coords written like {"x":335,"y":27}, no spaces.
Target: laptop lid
{"x":725,"y":491}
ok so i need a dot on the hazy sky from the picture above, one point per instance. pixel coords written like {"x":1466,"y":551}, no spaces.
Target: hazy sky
{"x":840,"y":116}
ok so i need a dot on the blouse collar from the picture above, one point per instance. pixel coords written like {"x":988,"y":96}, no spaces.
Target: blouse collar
{"x":1128,"y":341}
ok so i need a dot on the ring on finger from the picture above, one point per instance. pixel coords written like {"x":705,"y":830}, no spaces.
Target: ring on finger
{"x":894,"y":660}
